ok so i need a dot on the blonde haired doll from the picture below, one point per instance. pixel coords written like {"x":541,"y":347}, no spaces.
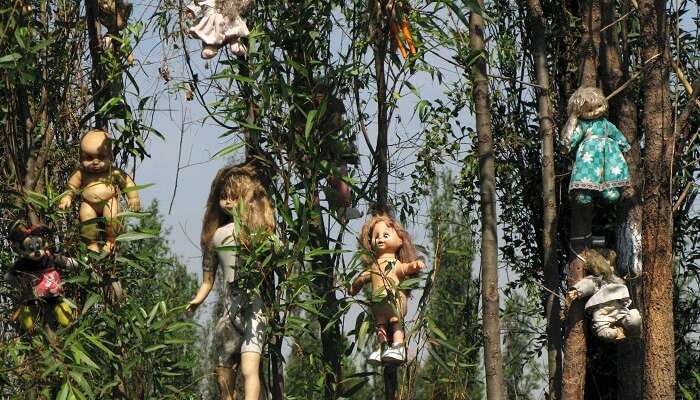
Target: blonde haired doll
{"x":600,"y":166}
{"x":390,"y":256}
{"x":240,"y":332}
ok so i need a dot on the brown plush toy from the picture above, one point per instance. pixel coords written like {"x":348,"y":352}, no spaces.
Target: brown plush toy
{"x":100,"y":185}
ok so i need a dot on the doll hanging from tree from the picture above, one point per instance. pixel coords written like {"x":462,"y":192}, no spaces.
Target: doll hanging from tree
{"x":100,"y":184}
{"x":36,"y":274}
{"x":600,"y":166}
{"x":608,"y":298}
{"x":219,"y":22}
{"x":239,"y":216}
{"x":390,"y":258}
{"x":400,"y":27}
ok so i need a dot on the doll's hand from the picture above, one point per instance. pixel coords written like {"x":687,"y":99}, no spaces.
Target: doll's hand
{"x":134,"y":204}
{"x":352,"y":290}
{"x":570,"y":297}
{"x":193,"y":305}
{"x":64,"y":203}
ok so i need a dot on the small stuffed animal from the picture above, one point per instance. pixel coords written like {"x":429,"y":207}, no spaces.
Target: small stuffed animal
{"x":219,"y":22}
{"x":391,"y":258}
{"x":100,"y":184}
{"x":36,"y":273}
{"x":113,"y":14}
{"x":600,"y":166}
{"x":611,"y":318}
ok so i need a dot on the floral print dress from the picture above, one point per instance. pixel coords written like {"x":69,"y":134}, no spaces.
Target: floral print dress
{"x":599,"y":163}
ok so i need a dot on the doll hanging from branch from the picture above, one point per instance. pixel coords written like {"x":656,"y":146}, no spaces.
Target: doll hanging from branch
{"x":238,"y":216}
{"x":390,"y":258}
{"x":608,"y":298}
{"x":219,"y":22}
{"x":100,"y":185}
{"x":36,"y":274}
{"x":600,"y":166}
{"x":400,"y":28}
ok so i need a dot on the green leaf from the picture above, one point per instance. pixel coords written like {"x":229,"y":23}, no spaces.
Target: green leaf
{"x":10,"y":58}
{"x":137,"y":187}
{"x":228,"y":150}
{"x":63,"y":394}
{"x":154,"y":348}
{"x":91,"y":301}
{"x":310,"y":120}
{"x":129,"y":236}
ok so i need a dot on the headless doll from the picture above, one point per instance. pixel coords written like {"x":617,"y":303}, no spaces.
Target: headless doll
{"x":99,"y":183}
{"x":392,"y":258}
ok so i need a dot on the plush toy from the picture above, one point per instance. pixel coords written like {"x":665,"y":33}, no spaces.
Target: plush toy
{"x":389,"y":258}
{"x":600,"y":166}
{"x":403,"y":40}
{"x":100,"y":184}
{"x":240,"y":332}
{"x":36,"y":274}
{"x":608,"y":298}
{"x":219,"y":22}
{"x":113,"y":14}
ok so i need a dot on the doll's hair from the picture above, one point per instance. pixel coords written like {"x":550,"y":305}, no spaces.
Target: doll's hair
{"x":406,"y":253}
{"x":233,"y":8}
{"x":601,"y":262}
{"x":239,"y":182}
{"x":588,"y":103}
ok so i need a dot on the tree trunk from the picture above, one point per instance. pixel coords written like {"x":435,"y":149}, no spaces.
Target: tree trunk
{"x":493,"y":363}
{"x":98,"y":75}
{"x":623,"y":113}
{"x":590,"y":42}
{"x":538,"y":39}
{"x":657,"y":225}
{"x":382,"y":153}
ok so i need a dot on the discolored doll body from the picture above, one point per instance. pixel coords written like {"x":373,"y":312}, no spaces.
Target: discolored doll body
{"x":391,"y":258}
{"x":99,"y":184}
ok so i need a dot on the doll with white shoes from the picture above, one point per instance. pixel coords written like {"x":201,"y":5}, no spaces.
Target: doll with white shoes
{"x":390,"y":258}
{"x":218,"y":23}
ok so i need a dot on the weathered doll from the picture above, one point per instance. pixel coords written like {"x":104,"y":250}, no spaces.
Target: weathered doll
{"x":390,"y":257}
{"x":36,"y":275}
{"x":240,"y":332}
{"x":113,"y":14}
{"x":100,"y":185}
{"x":403,"y":40}
{"x":600,"y":166}
{"x":608,"y":298}
{"x":219,"y":22}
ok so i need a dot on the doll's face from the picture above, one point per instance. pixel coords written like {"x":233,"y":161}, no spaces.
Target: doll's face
{"x":95,"y":152}
{"x":32,"y":247}
{"x":385,"y":239}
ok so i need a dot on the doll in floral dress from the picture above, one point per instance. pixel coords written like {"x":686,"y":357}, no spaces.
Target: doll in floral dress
{"x":600,"y":166}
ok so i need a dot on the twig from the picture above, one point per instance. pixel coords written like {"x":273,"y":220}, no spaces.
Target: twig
{"x":630,"y":80}
{"x":616,"y":21}
{"x":682,"y":196}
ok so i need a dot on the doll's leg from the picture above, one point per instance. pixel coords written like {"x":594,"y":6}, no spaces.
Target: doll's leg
{"x":611,"y":195}
{"x":88,"y":229}
{"x":250,"y":368}
{"x":340,"y":194}
{"x":380,"y":321}
{"x":64,"y":313}
{"x":632,"y":322}
{"x":110,"y":213}
{"x":582,"y":196}
{"x":608,"y":333}
{"x":226,"y":379}
{"x":28,"y":316}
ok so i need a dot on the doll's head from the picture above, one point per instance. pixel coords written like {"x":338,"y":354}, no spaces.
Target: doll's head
{"x":601,"y":262}
{"x":29,"y":241}
{"x":383,"y":234}
{"x":234,"y":188}
{"x":587,"y":103}
{"x":96,"y":151}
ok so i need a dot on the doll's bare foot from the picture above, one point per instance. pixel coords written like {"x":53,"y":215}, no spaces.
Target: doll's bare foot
{"x":209,"y":51}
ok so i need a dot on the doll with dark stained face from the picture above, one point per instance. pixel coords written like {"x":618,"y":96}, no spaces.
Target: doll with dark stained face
{"x":36,"y":274}
{"x":608,"y":298}
{"x":100,"y":184}
{"x":390,"y":258}
{"x":239,"y":335}
{"x":600,"y":168}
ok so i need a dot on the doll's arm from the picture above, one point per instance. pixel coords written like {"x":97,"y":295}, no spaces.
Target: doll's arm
{"x":359,"y":282}
{"x":618,"y":137}
{"x":573,"y":141}
{"x":204,"y":290}
{"x":64,"y":262}
{"x":74,"y":184}
{"x":586,"y":286}
{"x":410,"y":268}
{"x":132,"y":196}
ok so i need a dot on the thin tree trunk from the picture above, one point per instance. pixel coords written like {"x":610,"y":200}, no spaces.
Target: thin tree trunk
{"x":98,"y":75}
{"x":549,"y":199}
{"x":575,"y":347}
{"x":382,"y":152}
{"x":493,"y":363}
{"x":623,"y":113}
{"x":657,"y":226}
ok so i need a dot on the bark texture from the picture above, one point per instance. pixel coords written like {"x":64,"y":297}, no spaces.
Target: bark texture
{"x":493,"y":363}
{"x":537,"y":28}
{"x":657,"y":227}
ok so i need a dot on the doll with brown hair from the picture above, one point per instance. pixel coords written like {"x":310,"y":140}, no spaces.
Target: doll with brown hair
{"x":600,"y":167}
{"x":100,"y":184}
{"x":239,"y":214}
{"x":389,"y":258}
{"x":219,"y":22}
{"x":608,"y":298}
